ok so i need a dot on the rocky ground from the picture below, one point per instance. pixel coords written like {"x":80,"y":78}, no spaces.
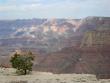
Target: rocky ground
{"x":7,"y":75}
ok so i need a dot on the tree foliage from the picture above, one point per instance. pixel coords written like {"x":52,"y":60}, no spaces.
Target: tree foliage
{"x":22,"y":62}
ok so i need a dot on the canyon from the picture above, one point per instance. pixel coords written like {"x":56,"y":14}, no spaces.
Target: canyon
{"x":60,"y":45}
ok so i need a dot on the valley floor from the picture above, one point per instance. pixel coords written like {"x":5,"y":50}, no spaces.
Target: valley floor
{"x":9,"y":76}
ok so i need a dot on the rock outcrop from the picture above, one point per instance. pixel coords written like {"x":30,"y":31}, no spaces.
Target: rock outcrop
{"x":92,"y":56}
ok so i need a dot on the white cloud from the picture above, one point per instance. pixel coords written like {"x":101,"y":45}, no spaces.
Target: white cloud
{"x":55,"y":8}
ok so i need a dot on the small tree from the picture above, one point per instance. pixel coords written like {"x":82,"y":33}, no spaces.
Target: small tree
{"x":22,"y":62}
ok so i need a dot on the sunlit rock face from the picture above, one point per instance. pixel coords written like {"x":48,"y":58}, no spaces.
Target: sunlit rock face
{"x":43,"y":34}
{"x":49,"y":35}
{"x":96,"y":38}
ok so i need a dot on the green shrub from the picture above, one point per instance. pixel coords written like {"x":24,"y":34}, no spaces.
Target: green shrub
{"x":22,"y":62}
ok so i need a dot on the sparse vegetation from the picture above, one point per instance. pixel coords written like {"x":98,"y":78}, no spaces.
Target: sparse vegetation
{"x":45,"y":77}
{"x":22,"y":62}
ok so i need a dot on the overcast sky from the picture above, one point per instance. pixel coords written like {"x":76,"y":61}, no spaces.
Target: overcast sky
{"x":20,"y":9}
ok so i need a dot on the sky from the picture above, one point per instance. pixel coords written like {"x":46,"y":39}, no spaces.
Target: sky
{"x":28,"y":9}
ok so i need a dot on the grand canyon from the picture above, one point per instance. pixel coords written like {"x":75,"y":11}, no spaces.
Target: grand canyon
{"x":60,"y":45}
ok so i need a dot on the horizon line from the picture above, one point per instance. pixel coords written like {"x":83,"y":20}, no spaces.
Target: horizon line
{"x":51,"y":18}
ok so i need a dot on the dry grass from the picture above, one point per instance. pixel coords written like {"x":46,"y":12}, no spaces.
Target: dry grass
{"x":9,"y":76}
